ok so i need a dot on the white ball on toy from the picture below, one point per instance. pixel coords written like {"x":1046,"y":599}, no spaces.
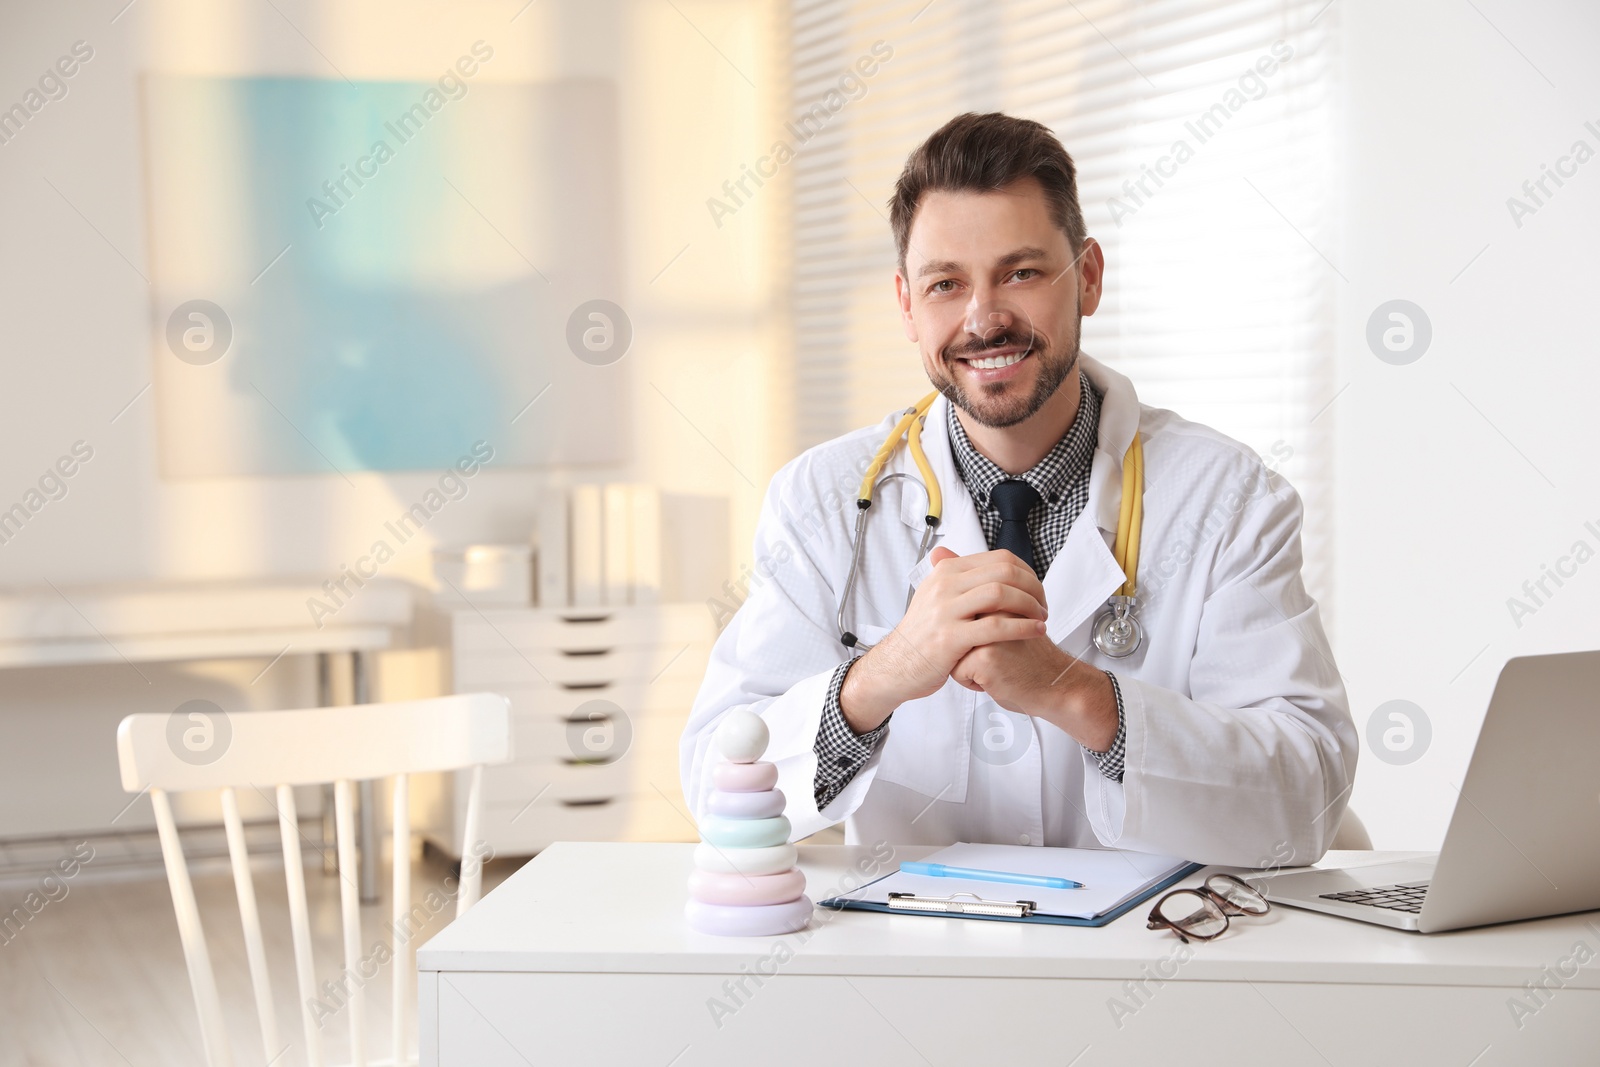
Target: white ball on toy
{"x":742,"y":737}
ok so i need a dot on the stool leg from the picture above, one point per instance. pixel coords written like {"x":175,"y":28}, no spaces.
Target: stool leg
{"x":368,"y":838}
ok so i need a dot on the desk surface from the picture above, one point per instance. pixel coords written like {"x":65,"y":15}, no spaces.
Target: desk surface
{"x":618,"y":907}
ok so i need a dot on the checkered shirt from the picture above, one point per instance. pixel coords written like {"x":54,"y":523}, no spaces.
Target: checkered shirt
{"x":1062,"y":481}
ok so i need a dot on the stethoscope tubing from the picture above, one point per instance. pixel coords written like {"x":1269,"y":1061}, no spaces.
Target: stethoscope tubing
{"x":1117,"y":630}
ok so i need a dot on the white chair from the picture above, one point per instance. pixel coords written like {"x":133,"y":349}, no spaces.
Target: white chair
{"x":278,"y":750}
{"x":1352,"y":833}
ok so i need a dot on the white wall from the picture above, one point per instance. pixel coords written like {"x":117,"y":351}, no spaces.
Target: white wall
{"x":77,"y":311}
{"x":1460,"y":475}
{"x":76,"y":314}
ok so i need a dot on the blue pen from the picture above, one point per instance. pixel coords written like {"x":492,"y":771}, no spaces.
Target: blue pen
{"x":939,"y":870}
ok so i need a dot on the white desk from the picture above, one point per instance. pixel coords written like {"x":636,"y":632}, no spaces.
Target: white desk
{"x":582,"y":957}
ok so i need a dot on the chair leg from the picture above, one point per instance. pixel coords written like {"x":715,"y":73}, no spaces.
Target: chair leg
{"x":368,"y":841}
{"x":203,"y":982}
{"x":355,"y":1006}
{"x":403,"y":963}
{"x":330,"y":853}
{"x":299,"y":921}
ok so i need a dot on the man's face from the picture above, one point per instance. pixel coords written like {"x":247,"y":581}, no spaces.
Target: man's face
{"x":993,"y":296}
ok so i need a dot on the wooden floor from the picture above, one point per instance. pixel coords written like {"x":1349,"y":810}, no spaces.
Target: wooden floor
{"x":97,"y":976}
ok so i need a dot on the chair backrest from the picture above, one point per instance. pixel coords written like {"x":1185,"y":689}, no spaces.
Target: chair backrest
{"x":279,"y":750}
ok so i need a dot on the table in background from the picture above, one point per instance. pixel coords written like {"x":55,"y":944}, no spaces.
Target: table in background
{"x":582,"y":956}
{"x":156,"y":621}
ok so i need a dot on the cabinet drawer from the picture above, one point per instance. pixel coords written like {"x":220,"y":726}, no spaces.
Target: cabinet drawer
{"x":500,"y":665}
{"x":545,"y":754}
{"x":592,"y":734}
{"x":516,"y":784}
{"x":524,"y":628}
{"x":636,"y":701}
{"x":525,"y":829}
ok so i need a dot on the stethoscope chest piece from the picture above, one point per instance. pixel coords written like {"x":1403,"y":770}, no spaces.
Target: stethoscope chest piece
{"x":1117,"y":632}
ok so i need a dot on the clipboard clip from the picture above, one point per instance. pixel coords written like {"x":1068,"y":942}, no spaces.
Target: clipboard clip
{"x":952,"y":905}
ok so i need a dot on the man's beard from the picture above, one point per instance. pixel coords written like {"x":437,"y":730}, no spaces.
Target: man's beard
{"x":1000,"y":412}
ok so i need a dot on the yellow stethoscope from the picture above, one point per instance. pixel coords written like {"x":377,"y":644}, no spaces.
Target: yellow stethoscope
{"x":1117,"y":631}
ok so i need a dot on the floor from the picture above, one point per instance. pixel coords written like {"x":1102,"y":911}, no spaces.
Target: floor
{"x":96,"y":975}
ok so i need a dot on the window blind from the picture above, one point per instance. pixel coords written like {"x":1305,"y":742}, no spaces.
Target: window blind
{"x":1202,"y":134}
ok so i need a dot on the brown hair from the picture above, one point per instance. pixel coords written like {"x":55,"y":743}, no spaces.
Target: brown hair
{"x":985,"y":153}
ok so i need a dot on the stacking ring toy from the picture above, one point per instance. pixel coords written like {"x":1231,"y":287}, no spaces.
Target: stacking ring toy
{"x":771,"y":859}
{"x":745,"y":777}
{"x":761,"y":920}
{"x":762,"y":805}
{"x":742,"y":890}
{"x":744,"y":833}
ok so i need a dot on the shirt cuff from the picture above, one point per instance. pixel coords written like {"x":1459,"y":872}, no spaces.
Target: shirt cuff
{"x":1111,"y":760}
{"x":841,"y":752}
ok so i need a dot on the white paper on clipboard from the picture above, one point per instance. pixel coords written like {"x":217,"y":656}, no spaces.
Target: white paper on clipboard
{"x":1110,"y":877}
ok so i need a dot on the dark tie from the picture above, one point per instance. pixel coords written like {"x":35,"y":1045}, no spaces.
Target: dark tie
{"x":1014,"y":499}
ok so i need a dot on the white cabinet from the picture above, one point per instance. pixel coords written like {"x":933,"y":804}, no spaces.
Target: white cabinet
{"x":599,"y":698}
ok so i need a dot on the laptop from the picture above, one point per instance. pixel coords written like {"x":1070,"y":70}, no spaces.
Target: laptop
{"x":1524,"y":840}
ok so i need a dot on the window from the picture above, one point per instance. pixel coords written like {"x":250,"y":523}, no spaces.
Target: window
{"x":1202,"y":134}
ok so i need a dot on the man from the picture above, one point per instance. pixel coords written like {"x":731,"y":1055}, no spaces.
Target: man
{"x":982,"y":711}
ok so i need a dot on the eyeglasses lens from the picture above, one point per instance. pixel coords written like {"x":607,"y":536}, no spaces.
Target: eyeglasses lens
{"x":1193,"y":913}
{"x":1239,"y":896}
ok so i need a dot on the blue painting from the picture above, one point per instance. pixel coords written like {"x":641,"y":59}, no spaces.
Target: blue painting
{"x":375,"y":276}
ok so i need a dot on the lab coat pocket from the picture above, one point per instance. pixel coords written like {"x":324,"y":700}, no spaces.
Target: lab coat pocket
{"x":869,"y":634}
{"x":927,"y":748}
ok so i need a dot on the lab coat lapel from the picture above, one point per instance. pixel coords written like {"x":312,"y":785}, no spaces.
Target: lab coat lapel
{"x":1085,"y":572}
{"x":1119,"y":418}
{"x":1082,"y":575}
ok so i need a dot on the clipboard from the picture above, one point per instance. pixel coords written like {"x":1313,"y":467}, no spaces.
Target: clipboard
{"x":1121,"y":880}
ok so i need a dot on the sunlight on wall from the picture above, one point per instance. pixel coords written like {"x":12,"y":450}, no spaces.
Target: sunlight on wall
{"x":699,"y":296}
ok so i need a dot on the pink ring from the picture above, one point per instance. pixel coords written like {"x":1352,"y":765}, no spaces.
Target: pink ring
{"x":709,"y":887}
{"x":762,"y":920}
{"x":745,"y":777}
{"x":766,"y":804}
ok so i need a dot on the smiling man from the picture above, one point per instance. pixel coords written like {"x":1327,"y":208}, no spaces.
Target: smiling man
{"x":981,"y":710}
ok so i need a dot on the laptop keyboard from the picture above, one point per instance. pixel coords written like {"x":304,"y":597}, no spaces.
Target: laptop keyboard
{"x":1403,"y":897}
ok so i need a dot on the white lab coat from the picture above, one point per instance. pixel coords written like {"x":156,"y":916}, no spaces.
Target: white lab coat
{"x":1240,"y":747}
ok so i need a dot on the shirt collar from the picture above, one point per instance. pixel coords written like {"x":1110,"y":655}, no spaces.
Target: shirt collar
{"x":1067,"y":461}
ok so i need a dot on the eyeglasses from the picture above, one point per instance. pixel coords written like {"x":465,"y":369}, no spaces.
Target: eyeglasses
{"x":1202,"y":914}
